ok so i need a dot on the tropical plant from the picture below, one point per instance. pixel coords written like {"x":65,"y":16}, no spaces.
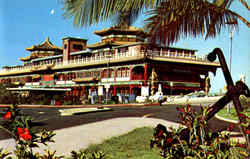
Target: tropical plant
{"x":195,"y":140}
{"x":12,"y":97}
{"x":4,"y":154}
{"x":168,"y":20}
{"x":7,"y":97}
{"x":86,"y":155}
{"x":20,"y":128}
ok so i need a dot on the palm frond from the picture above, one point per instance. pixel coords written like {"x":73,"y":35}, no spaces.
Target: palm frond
{"x":127,"y":18}
{"x":244,"y":3}
{"x":173,"y":20}
{"x":88,"y":12}
{"x":223,"y":3}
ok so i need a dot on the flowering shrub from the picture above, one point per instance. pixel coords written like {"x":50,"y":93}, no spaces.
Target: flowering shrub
{"x":245,"y":124}
{"x":245,"y":127}
{"x":20,"y":128}
{"x":195,"y":140}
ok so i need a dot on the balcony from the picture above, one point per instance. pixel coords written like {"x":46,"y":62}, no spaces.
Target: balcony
{"x":118,"y":57}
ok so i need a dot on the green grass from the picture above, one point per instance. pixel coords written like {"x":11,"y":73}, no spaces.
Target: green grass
{"x":134,"y":145}
{"x":232,"y":115}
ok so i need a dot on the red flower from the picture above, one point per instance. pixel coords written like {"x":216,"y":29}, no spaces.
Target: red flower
{"x":180,"y":110}
{"x":231,"y":127}
{"x":7,"y":115}
{"x":20,"y":131}
{"x":168,"y":140}
{"x":24,"y":133}
{"x":160,"y":134}
{"x":26,"y":136}
{"x":241,"y":145}
{"x":247,"y":131}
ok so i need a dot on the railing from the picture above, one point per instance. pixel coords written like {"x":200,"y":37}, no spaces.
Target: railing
{"x":117,"y":57}
{"x":176,"y":55}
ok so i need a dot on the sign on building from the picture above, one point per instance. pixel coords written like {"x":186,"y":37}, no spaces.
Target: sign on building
{"x":100,"y":90}
{"x":144,"y":91}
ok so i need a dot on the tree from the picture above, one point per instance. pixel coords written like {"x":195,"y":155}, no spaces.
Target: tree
{"x":169,"y":20}
{"x":7,"y":97}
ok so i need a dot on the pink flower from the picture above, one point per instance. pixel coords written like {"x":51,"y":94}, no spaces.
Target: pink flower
{"x":242,"y":116}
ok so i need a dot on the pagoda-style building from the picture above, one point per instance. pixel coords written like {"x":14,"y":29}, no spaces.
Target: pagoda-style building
{"x":44,"y":49}
{"x":117,"y":36}
{"x":122,"y":63}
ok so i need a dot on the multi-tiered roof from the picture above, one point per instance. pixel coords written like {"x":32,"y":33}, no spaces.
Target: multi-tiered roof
{"x":47,"y":48}
{"x":118,"y":35}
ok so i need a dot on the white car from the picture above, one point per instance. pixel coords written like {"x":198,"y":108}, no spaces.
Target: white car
{"x":156,"y":97}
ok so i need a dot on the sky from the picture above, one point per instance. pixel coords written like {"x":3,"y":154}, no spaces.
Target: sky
{"x":29,"y":22}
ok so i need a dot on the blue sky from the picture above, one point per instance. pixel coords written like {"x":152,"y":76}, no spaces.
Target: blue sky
{"x":29,"y":22}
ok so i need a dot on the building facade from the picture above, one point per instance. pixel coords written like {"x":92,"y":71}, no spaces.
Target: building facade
{"x":123,"y":62}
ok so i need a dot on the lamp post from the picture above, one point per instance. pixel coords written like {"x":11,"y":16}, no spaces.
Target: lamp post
{"x":232,"y":22}
{"x":231,"y":49}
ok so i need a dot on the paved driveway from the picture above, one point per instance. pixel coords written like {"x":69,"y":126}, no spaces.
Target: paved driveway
{"x":50,"y":118}
{"x":78,"y":131}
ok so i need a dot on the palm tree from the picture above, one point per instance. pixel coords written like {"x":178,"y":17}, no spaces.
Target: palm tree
{"x":169,"y":20}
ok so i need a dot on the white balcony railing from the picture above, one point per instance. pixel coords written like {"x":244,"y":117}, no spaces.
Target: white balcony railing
{"x":105,"y":59}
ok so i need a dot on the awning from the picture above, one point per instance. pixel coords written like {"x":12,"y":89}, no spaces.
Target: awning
{"x":39,"y":89}
{"x":121,"y":83}
{"x":86,"y":79}
{"x":36,"y":76}
{"x":18,"y":83}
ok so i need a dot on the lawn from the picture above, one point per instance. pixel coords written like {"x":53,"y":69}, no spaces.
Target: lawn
{"x":232,"y":115}
{"x":134,"y":145}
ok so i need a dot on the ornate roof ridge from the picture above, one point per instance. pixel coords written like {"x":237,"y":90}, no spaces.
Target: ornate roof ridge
{"x":47,"y":44}
{"x":115,"y":43}
{"x":119,"y":28}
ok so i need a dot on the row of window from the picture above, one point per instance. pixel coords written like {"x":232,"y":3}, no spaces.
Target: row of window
{"x":49,"y":61}
{"x":120,"y":52}
{"x":107,"y":73}
{"x":18,"y":79}
{"x":127,"y":39}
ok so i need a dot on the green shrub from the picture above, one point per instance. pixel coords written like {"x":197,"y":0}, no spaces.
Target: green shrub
{"x":87,"y":155}
{"x":8,"y":97}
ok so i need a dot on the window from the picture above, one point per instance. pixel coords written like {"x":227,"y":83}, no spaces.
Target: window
{"x":119,"y":73}
{"x":77,"y":47}
{"x":96,"y":74}
{"x":124,"y":73}
{"x":112,"y":73}
{"x":61,"y":77}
